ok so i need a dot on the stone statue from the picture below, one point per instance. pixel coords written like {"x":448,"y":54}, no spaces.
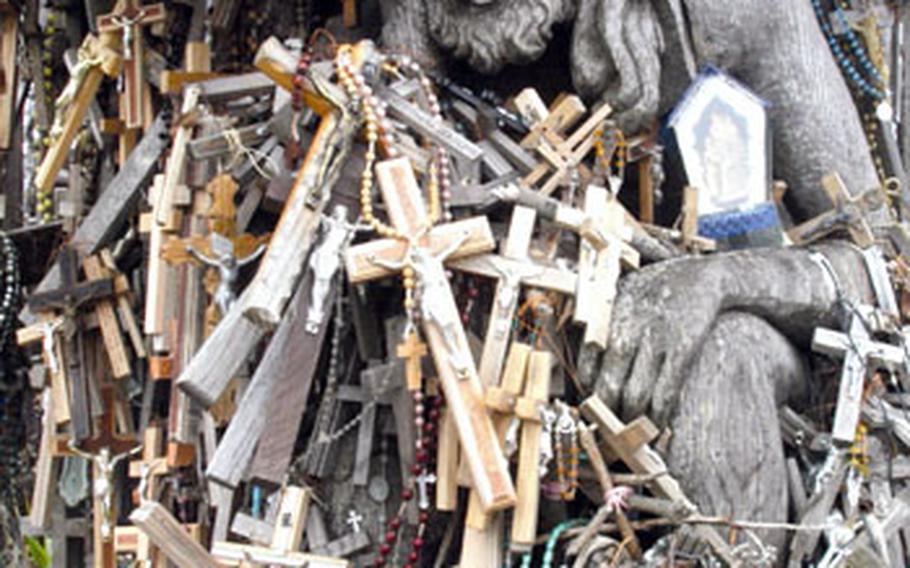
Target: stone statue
{"x":670,"y":352}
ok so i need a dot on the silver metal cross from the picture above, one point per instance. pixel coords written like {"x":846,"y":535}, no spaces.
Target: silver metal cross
{"x":423,"y":498}
{"x":354,"y":519}
{"x":48,"y":332}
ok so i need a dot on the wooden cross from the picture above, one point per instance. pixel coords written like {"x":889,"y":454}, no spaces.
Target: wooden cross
{"x":170,"y":537}
{"x":97,"y":58}
{"x":848,"y":212}
{"x":127,"y":19}
{"x":859,"y":352}
{"x":441,"y":322}
{"x":563,"y":155}
{"x":412,"y":350}
{"x":105,"y":450}
{"x":528,"y":408}
{"x":630,"y":444}
{"x":599,"y":270}
{"x":512,"y":269}
{"x":287,"y":536}
{"x":9,"y":33}
{"x":273,"y":284}
{"x":482,"y":541}
{"x":68,"y":299}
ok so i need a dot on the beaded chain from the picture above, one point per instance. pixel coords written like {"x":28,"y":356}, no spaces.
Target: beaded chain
{"x":9,"y":302}
{"x":871,"y":126}
{"x":843,"y":60}
{"x":426,"y":423}
{"x":567,"y":459}
{"x":44,"y":198}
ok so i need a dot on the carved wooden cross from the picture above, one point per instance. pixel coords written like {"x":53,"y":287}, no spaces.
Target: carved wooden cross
{"x":563,"y":155}
{"x":848,"y":212}
{"x":97,"y":58}
{"x":512,"y":269}
{"x":68,"y":299}
{"x":858,"y":351}
{"x":443,"y":328}
{"x":127,"y":19}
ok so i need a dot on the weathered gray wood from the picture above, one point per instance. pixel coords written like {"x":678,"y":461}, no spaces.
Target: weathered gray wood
{"x":292,"y":359}
{"x":107,"y":217}
{"x":819,"y":506}
{"x":222,"y":353}
{"x":285,"y":361}
{"x":167,"y":535}
{"x":414,"y":117}
{"x":236,"y":86}
{"x":214,"y":145}
{"x":255,"y":530}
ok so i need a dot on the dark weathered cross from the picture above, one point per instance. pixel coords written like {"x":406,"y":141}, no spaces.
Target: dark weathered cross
{"x":68,"y":299}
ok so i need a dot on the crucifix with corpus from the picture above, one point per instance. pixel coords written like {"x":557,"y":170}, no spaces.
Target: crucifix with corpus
{"x":419,"y":252}
{"x":105,"y":450}
{"x":127,"y":18}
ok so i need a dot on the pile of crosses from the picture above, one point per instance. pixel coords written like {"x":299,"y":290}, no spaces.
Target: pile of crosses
{"x":335,"y":271}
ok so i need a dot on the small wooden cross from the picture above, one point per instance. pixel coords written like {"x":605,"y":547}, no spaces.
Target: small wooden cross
{"x":69,"y":299}
{"x":624,"y":443}
{"x":412,"y":350}
{"x":859,"y":352}
{"x":441,"y":322}
{"x":848,"y":213}
{"x":127,"y":19}
{"x":563,"y":155}
{"x":170,"y":537}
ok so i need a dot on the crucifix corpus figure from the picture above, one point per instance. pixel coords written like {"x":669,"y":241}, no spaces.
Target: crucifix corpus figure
{"x":103,"y":486}
{"x":228,"y":266}
{"x":325,"y":261}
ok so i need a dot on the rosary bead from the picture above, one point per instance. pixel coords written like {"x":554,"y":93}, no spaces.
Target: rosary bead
{"x":413,"y":556}
{"x":395,"y":523}
{"x":380,"y":561}
{"x":390,"y":537}
{"x":407,"y":494}
{"x":384,"y":549}
{"x":417,"y":542}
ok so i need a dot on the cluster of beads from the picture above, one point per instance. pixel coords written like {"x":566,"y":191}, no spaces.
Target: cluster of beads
{"x":9,"y":303}
{"x":425,"y":422}
{"x":871,"y":126}
{"x":843,"y":60}
{"x":856,"y":47}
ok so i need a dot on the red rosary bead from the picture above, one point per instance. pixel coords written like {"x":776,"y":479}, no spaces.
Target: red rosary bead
{"x":395,"y":523}
{"x":417,"y":543}
{"x":390,"y":537}
{"x":385,"y":549}
{"x":413,"y":556}
{"x":407,"y":494}
{"x":379,"y":561}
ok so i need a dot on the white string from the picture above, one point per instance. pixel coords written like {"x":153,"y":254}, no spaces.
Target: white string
{"x":238,"y":149}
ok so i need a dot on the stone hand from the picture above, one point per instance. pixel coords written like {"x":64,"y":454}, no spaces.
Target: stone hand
{"x":661,"y":315}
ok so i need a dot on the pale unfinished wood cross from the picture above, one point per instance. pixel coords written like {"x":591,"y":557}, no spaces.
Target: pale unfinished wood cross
{"x":127,"y":20}
{"x":441,"y":322}
{"x":560,"y":154}
{"x":9,"y":33}
{"x":859,"y":352}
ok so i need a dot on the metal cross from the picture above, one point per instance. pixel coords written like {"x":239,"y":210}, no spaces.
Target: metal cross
{"x":423,"y":480}
{"x":354,"y":519}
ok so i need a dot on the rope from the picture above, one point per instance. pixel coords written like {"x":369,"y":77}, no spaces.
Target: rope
{"x":238,"y":149}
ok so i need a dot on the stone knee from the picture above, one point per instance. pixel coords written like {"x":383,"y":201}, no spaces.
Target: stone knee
{"x":726,"y":448}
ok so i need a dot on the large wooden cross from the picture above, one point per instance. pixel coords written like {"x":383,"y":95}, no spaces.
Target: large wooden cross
{"x":127,"y":19}
{"x":69,"y":298}
{"x":441,"y":322}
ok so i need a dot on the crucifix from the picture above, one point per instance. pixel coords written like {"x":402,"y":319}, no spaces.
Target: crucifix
{"x":849,"y":212}
{"x":273,"y":284}
{"x":97,"y":57}
{"x":45,"y":332}
{"x":69,"y":299}
{"x":127,"y":19}
{"x":859,"y":352}
{"x":325,"y":260}
{"x":105,"y":450}
{"x":425,"y":253}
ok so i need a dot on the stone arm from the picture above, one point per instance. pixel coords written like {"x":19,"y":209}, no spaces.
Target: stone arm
{"x":664,"y":312}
